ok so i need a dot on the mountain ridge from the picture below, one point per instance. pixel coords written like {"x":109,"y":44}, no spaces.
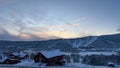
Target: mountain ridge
{"x":103,"y":41}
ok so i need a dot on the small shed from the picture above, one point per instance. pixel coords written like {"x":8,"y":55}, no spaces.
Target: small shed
{"x":53,"y":57}
{"x":111,"y":64}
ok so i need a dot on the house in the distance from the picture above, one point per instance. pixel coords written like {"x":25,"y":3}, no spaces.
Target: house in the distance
{"x":5,"y":60}
{"x":54,"y":57}
{"x":18,"y":55}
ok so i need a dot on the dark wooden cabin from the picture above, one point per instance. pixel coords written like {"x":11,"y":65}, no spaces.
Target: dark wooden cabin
{"x":19,"y":56}
{"x":5,"y":60}
{"x":54,"y":57}
{"x":11,"y":61}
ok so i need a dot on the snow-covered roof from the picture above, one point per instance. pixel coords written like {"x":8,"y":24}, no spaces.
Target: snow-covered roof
{"x":3,"y":58}
{"x":110,"y":63}
{"x":21,"y":54}
{"x":53,"y":53}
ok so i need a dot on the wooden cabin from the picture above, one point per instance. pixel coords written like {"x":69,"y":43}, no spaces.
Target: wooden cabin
{"x":5,"y":60}
{"x":11,"y":61}
{"x":18,"y":55}
{"x":54,"y":57}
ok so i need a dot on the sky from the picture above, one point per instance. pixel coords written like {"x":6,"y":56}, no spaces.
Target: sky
{"x":31,"y":20}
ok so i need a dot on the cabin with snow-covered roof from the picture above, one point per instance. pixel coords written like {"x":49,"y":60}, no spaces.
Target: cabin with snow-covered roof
{"x":53,"y":57}
{"x":5,"y":60}
{"x":18,"y":55}
{"x":2,"y":58}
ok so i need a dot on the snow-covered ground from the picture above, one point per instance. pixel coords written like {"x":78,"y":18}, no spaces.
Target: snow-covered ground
{"x":97,"y":53}
{"x":28,"y":63}
{"x":80,"y":65}
{"x":92,"y":53}
{"x":74,"y":65}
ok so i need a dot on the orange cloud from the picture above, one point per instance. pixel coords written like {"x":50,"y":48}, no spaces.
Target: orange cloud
{"x":25,"y":36}
{"x":59,"y":34}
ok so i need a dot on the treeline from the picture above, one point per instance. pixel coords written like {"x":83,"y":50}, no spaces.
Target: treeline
{"x":101,"y":60}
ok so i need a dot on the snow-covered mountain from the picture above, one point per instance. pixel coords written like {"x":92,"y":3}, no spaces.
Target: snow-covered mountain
{"x":84,"y":42}
{"x":108,"y":41}
{"x":104,"y":41}
{"x":79,"y":42}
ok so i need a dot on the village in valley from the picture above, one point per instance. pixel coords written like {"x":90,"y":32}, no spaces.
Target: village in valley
{"x":85,"y":52}
{"x":58,"y":58}
{"x":46,"y":58}
{"x":63,"y":53}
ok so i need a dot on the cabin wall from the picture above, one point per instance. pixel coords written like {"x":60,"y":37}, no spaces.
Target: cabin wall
{"x":39,"y":58}
{"x":57,"y":60}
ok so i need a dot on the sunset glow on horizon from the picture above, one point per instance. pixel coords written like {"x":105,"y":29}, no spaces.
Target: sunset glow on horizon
{"x":51,"y":19}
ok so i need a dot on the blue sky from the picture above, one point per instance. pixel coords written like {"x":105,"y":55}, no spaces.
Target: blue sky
{"x":48,"y":19}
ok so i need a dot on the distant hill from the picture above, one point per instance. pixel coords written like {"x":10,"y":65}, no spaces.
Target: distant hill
{"x":104,"y":41}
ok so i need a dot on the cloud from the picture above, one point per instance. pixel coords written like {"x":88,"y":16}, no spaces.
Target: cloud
{"x":38,"y":29}
{"x":34,"y":32}
{"x":36,"y":36}
{"x":9,"y":37}
{"x":40,"y":33}
{"x":31,"y":37}
{"x":118,"y":28}
{"x":60,"y":34}
{"x":27,"y":28}
{"x":5,"y":35}
{"x":73,"y":24}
